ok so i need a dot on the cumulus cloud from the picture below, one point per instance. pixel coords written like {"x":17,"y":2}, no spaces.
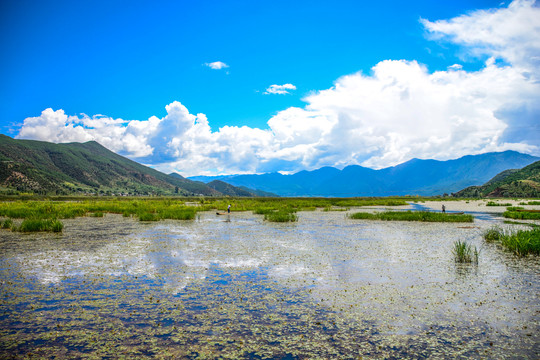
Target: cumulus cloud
{"x":398,"y":111}
{"x":280,"y":89}
{"x":510,"y":34}
{"x":217,"y":65}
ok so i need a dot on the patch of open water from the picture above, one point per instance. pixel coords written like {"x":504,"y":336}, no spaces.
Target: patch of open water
{"x":236,"y":286}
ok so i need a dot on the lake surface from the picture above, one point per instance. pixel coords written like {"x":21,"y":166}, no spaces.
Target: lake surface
{"x":238,"y":287}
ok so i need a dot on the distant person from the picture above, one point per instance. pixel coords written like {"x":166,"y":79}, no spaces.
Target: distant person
{"x":443,"y":209}
{"x":229,"y":208}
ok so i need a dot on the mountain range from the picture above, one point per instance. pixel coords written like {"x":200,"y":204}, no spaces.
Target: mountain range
{"x":88,"y":168}
{"x":414,"y":177}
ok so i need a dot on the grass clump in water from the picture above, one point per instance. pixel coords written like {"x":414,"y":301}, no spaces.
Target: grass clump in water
{"x":530,"y":203}
{"x":493,"y":203}
{"x":7,"y":224}
{"x":148,"y":216}
{"x":36,"y":225}
{"x":423,"y":216}
{"x":281,"y":216}
{"x":523,"y":215}
{"x":464,"y":252}
{"x":521,"y":242}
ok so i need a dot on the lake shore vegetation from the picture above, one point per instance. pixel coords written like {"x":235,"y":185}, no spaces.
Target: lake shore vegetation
{"x":423,"y":216}
{"x":520,"y":242}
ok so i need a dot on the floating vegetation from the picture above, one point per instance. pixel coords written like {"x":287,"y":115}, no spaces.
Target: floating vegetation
{"x":514,"y":208}
{"x":520,"y":242}
{"x":464,"y":252}
{"x":424,"y":216}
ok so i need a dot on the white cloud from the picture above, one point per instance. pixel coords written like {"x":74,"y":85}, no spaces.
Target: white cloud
{"x":280,"y":89}
{"x":217,"y":65}
{"x":509,"y":33}
{"x":398,"y":111}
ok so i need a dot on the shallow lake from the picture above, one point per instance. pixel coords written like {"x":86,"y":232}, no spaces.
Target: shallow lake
{"x":238,"y":287}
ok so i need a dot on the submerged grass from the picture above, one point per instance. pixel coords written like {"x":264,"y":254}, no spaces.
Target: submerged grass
{"x":424,"y":216}
{"x":464,"y":252}
{"x":521,"y":242}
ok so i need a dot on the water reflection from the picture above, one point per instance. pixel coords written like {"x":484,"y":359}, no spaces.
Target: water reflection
{"x":397,"y":282}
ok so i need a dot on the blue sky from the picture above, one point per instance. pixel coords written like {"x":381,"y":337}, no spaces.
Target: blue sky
{"x":118,"y":64}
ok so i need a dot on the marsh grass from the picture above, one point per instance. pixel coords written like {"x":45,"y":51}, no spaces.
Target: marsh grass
{"x":493,"y":234}
{"x":281,"y":216}
{"x":464,"y":252}
{"x":530,"y":203}
{"x":329,"y":208}
{"x":523,"y":215}
{"x":148,"y":216}
{"x":493,"y":203}
{"x":7,"y":224}
{"x":37,"y":225}
{"x":521,"y":242}
{"x":423,"y":216}
{"x":514,"y":208}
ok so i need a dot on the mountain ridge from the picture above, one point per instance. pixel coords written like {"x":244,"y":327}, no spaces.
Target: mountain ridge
{"x":413,"y":177}
{"x":523,"y":183}
{"x":67,"y":168}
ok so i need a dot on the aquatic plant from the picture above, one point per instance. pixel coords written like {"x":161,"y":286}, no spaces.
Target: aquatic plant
{"x":521,"y":242}
{"x":523,"y":215}
{"x":493,"y":234}
{"x":493,"y":203}
{"x":7,"y":224}
{"x":281,"y":216}
{"x":424,"y":216}
{"x":530,"y":203}
{"x":464,"y":252}
{"x":514,"y":208}
{"x":148,"y":216}
{"x":36,"y":225}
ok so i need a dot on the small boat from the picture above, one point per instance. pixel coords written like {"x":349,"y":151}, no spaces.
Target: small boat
{"x":224,"y":213}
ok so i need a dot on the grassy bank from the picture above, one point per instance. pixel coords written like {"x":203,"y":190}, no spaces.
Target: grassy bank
{"x":521,"y":242}
{"x":424,"y":216}
{"x":155,"y":209}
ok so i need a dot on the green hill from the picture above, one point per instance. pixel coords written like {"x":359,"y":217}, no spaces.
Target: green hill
{"x":523,"y":183}
{"x":47,"y":168}
{"x":228,"y":189}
